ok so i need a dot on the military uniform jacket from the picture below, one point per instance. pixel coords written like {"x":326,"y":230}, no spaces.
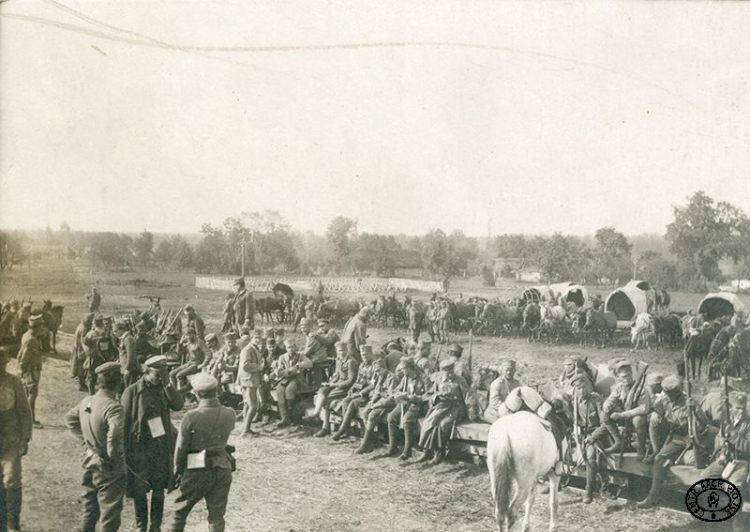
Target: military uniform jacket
{"x":250,"y":371}
{"x":314,"y":348}
{"x":415,"y":387}
{"x":207,"y":428}
{"x":30,"y":355}
{"x":128,"y":357}
{"x":619,"y":396}
{"x":329,"y":339}
{"x":426,"y":365}
{"x":289,"y":368}
{"x":499,"y":390}
{"x":346,"y":373}
{"x":676,"y":415}
{"x":196,"y":322}
{"x":142,"y":402}
{"x":244,"y":307}
{"x":739,"y":439}
{"x":449,"y":390}
{"x":98,"y":419}
{"x":354,"y":335}
{"x":713,"y":407}
{"x":590,"y":412}
{"x":15,"y":413}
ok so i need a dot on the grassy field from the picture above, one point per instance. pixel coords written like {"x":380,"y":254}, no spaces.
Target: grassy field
{"x":289,"y":481}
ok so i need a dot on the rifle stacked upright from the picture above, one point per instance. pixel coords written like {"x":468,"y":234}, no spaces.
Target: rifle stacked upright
{"x":692,"y":431}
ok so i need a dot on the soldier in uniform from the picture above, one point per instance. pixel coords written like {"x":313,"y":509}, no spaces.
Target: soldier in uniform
{"x":288,"y":374}
{"x":359,"y":393}
{"x":415,"y":322}
{"x":94,"y":299}
{"x":250,"y":377}
{"x":732,"y":460}
{"x":409,"y":398}
{"x":100,"y":349}
{"x":203,"y":462}
{"x":30,"y":360}
{"x":500,"y":389}
{"x":328,"y":337}
{"x":143,"y":348}
{"x":150,"y":440}
{"x":195,"y":321}
{"x":225,"y":366}
{"x":455,"y":351}
{"x":78,"y":355}
{"x":382,"y":387}
{"x":355,"y":333}
{"x":15,"y":433}
{"x":668,"y":427}
{"x":424,"y":360}
{"x":393,"y":355}
{"x":447,"y":408}
{"x":614,"y":410}
{"x":243,"y":305}
{"x":129,"y":366}
{"x":335,"y":389}
{"x":98,"y":419}
{"x":196,"y":354}
{"x":228,"y":314}
{"x":315,"y":351}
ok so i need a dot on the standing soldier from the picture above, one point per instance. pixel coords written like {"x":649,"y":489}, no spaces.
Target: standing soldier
{"x":78,"y":355}
{"x":15,"y":433}
{"x":203,"y":462}
{"x":250,"y":377}
{"x":355,"y":332}
{"x":129,"y":365}
{"x":288,"y":374}
{"x":150,"y":441}
{"x":94,"y":299}
{"x":415,"y":322}
{"x":195,"y":321}
{"x":228,"y":314}
{"x":243,"y":306}
{"x":30,"y":360}
{"x":99,"y":421}
{"x":100,"y":349}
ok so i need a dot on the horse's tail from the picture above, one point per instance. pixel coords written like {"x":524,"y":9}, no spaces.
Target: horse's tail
{"x":503,"y":470}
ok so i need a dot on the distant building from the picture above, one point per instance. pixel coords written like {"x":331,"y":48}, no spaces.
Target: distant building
{"x":529,"y":274}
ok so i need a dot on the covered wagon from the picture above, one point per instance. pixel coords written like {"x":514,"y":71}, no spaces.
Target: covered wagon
{"x":720,"y":304}
{"x":628,"y":301}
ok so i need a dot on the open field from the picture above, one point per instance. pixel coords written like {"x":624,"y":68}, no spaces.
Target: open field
{"x":289,"y":481}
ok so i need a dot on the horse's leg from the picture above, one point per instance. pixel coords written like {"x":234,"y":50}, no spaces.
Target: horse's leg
{"x":527,"y":509}
{"x":554,"y":483}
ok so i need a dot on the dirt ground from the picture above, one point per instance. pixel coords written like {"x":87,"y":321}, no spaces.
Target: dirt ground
{"x":289,"y":481}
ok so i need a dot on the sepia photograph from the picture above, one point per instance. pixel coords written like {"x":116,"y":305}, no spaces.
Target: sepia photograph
{"x":376,"y":266}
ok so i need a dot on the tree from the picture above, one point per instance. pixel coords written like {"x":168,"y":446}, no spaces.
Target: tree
{"x":111,"y":250}
{"x":340,"y":233}
{"x":564,"y":258}
{"x":12,"y":250}
{"x":440,"y":257}
{"x":163,"y":255}
{"x":611,"y":254}
{"x":659,"y":271}
{"x":144,"y":248}
{"x":376,"y":252}
{"x":735,"y":227}
{"x":698,"y":237}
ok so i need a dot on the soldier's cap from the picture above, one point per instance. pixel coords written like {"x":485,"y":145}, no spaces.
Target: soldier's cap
{"x":581,"y":379}
{"x":365,"y":349}
{"x":393,"y":345}
{"x":456,"y":350}
{"x":407,"y":363}
{"x":36,"y":320}
{"x":88,"y":318}
{"x":379,"y":363}
{"x":240,"y":281}
{"x":158,"y":361}
{"x":256,"y":333}
{"x":99,"y":318}
{"x":108,"y":367}
{"x":210,"y":337}
{"x":508,"y":362}
{"x":571,"y":360}
{"x":671,"y":383}
{"x":322,"y":322}
{"x":231,"y":335}
{"x":203,"y":382}
{"x":189,"y":307}
{"x":245,"y":329}
{"x":305,"y":321}
{"x":191,"y":330}
{"x":140,"y":326}
{"x":623,"y":364}
{"x":652,"y":379}
{"x":271,"y":341}
{"x":738,"y":399}
{"x":268,"y":332}
{"x":122,"y":325}
{"x":447,"y":363}
{"x":424,"y":343}
{"x":27,"y":304}
{"x":289,"y":343}
{"x":279,"y":332}
{"x":340,"y":346}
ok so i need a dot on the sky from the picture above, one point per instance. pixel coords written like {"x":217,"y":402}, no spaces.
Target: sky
{"x":531,"y":117}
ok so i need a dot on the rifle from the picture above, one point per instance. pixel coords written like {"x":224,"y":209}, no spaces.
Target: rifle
{"x":471,"y":345}
{"x":633,"y":396}
{"x":726,"y":446}
{"x":691,"y":417}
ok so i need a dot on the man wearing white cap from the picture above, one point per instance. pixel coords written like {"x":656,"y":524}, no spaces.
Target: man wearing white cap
{"x":30,"y":360}
{"x":149,"y":441}
{"x":203,"y":462}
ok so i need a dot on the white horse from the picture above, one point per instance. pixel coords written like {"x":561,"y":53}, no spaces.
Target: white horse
{"x":640,"y":330}
{"x":520,"y":449}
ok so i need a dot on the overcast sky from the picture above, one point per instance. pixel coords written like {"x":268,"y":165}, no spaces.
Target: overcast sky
{"x":540,"y":116}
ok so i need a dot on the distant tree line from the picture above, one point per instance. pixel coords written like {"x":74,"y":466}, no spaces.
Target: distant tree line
{"x":703,"y":235}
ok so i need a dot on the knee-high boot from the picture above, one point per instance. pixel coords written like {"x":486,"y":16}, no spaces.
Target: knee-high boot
{"x":408,"y":442}
{"x":590,"y":481}
{"x":345,"y":423}
{"x":659,"y":471}
{"x":13,"y":500}
{"x":157,"y":510}
{"x":284,"y":412}
{"x":367,"y":440}
{"x":614,"y":432}
{"x":140,"y":505}
{"x":640,"y":440}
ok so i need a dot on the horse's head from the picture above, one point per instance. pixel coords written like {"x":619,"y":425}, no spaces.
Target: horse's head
{"x":47,"y":305}
{"x":590,"y":318}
